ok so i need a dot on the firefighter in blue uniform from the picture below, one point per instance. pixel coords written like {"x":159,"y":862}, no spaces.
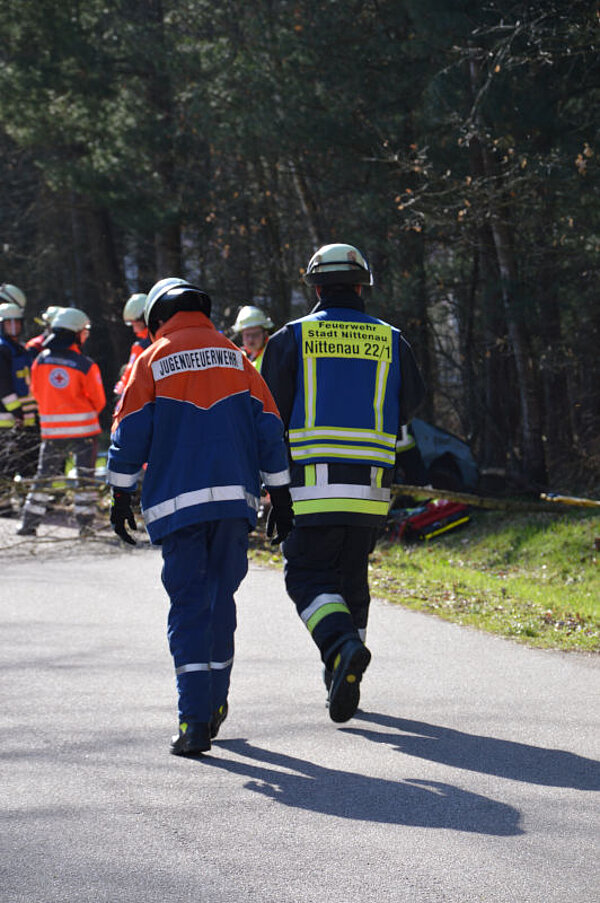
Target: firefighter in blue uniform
{"x":345,"y":383}
{"x":202,"y":417}
{"x":19,"y":433}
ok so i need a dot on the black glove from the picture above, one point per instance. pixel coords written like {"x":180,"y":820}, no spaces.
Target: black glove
{"x":121,"y":514}
{"x":281,"y":514}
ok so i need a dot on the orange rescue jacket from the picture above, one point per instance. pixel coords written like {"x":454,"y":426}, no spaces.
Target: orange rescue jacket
{"x":68,"y":388}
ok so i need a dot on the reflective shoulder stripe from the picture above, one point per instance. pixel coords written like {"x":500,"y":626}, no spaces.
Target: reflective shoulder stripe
{"x":200,"y":497}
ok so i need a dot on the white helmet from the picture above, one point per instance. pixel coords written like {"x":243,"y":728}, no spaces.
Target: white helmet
{"x":71,"y":318}
{"x":338,"y":265}
{"x":50,"y":313}
{"x":250,"y":316}
{"x":12,"y":294}
{"x":134,"y":308}
{"x":11,"y":312}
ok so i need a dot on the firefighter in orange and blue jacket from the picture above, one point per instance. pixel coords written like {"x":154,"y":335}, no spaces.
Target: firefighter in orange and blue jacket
{"x":19,"y":432}
{"x":197,"y":411}
{"x":345,"y":383}
{"x":68,"y":388}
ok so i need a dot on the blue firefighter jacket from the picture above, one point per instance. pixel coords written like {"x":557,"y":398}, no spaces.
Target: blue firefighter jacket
{"x":345,"y":382}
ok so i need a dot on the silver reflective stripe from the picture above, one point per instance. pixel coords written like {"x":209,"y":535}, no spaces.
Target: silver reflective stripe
{"x":405,"y":440}
{"x":362,"y":632}
{"x":319,"y":602}
{"x":335,"y":451}
{"x":204,"y":666}
{"x":123,"y":480}
{"x":34,"y":509}
{"x":9,"y":399}
{"x":333,"y":433}
{"x":275,"y":479}
{"x":321,"y":474}
{"x":67,"y":418}
{"x":197,"y":666}
{"x":340,"y":491}
{"x":68,"y":430}
{"x":200,"y":497}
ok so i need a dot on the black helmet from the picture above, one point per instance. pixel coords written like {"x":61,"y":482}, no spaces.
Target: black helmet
{"x":171,"y":295}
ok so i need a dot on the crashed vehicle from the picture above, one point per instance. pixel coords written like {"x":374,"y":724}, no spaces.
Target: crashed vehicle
{"x":447,"y":461}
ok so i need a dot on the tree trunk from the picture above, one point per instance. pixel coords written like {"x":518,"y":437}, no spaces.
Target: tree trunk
{"x":532,"y":452}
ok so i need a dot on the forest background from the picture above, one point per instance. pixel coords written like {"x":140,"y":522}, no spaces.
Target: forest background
{"x":455,"y":142}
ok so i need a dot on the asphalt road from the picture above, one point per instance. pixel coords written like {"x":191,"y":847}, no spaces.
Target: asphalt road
{"x":470,"y":773}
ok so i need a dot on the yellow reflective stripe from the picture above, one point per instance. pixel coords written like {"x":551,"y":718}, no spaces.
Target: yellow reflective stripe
{"x":378,"y":480}
{"x":12,"y":405}
{"x":355,"y":506}
{"x":343,"y":452}
{"x":310,"y":391}
{"x":310,"y":475}
{"x":383,"y":370}
{"x":454,"y":523}
{"x":325,"y":610}
{"x":331,"y":433}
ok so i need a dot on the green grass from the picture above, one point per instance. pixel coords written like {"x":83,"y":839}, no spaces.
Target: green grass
{"x":532,"y":577}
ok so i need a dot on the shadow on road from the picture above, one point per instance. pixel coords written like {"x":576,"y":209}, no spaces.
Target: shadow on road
{"x":304,"y":785}
{"x":488,"y":755}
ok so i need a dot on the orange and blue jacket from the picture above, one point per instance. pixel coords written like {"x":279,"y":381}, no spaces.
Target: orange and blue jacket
{"x":68,"y":388}
{"x":141,"y":343}
{"x":203,"y":419}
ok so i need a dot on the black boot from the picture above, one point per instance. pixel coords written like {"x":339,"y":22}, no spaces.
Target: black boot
{"x":193,"y":739}
{"x":219,"y":716}
{"x":349,"y":665}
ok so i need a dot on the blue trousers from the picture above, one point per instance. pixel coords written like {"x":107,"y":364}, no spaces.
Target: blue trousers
{"x":203,"y":565}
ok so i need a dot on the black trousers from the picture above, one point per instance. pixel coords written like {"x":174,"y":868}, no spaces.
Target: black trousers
{"x":326,"y":576}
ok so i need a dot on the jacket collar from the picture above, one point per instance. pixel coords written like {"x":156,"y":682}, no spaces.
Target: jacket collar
{"x":343,"y":298}
{"x":184,"y":320}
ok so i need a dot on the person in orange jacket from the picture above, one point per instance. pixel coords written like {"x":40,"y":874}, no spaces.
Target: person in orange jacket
{"x":68,"y":388}
{"x":133,"y":315}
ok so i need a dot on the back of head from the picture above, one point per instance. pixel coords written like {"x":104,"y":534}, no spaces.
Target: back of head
{"x":338,"y":265}
{"x":171,"y":296}
{"x":72,"y":319}
{"x":134,"y":308}
{"x":50,"y":313}
{"x":66,"y":327}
